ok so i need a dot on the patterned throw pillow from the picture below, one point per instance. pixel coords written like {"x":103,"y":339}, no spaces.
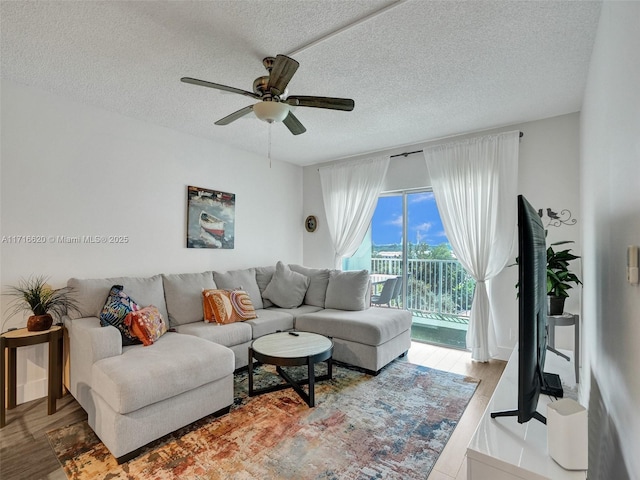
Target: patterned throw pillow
{"x":227,"y":306}
{"x":146,"y":324}
{"x":116,"y":308}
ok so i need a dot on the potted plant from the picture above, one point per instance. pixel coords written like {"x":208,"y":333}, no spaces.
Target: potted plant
{"x":36,"y":295}
{"x":559,"y":278}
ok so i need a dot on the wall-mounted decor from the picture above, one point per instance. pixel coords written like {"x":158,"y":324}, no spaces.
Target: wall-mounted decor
{"x":555,"y":219}
{"x":311,"y":223}
{"x":210,"y":218}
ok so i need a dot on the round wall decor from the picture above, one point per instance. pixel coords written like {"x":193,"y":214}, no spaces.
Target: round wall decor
{"x":311,"y":223}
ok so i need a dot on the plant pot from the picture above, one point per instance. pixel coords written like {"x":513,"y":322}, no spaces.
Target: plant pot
{"x":556,"y":305}
{"x":39,"y":323}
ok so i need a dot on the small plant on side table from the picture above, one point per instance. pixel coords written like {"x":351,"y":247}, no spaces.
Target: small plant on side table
{"x":559,"y":278}
{"x":36,"y":295}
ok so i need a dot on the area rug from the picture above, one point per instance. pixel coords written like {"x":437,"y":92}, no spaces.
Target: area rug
{"x":391,"y":426}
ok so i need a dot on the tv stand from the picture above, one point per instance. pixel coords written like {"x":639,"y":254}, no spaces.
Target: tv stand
{"x":514,"y":413}
{"x":558,"y":352}
{"x":503,"y":449}
{"x":552,"y":385}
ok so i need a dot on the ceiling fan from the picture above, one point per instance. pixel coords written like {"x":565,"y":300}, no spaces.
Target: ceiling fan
{"x":275,"y":103}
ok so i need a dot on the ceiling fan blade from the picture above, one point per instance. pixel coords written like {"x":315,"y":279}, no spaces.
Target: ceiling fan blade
{"x":293,"y":124}
{"x":281,"y":74}
{"x":235,"y":116}
{"x":332,"y":103}
{"x":217,"y":86}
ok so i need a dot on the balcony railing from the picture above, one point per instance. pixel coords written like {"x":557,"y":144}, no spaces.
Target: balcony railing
{"x":435,"y":288}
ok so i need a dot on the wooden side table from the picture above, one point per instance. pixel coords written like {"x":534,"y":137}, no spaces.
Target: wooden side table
{"x":566,"y":320}
{"x":22,"y":338}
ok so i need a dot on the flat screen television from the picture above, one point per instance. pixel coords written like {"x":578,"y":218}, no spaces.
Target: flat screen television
{"x":532,"y":313}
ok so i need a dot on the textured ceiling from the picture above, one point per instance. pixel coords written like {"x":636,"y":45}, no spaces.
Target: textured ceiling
{"x":418,"y":70}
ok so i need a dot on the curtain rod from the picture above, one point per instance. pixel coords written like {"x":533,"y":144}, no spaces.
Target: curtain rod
{"x":406,"y":154}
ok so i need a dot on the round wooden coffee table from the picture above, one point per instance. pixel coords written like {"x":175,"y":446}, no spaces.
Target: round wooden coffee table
{"x":287,"y":349}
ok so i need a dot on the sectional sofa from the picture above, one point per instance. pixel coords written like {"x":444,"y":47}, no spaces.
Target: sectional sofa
{"x":136,"y":394}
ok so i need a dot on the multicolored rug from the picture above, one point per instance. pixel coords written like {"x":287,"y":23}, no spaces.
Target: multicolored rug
{"x":392,"y":426}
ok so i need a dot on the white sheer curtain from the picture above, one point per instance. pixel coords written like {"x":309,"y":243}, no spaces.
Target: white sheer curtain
{"x":350,"y":191}
{"x":475,"y":185}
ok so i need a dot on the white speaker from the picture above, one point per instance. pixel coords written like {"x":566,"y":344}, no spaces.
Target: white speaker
{"x":567,"y":434}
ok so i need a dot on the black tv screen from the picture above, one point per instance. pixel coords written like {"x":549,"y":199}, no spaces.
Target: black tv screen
{"x":532,"y":317}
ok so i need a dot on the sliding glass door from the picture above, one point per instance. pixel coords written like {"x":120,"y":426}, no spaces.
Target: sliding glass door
{"x":406,"y":240}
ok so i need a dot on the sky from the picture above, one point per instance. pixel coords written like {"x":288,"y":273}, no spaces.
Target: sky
{"x":424,"y":221}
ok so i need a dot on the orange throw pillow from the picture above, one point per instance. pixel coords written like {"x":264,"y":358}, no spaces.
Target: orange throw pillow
{"x":227,"y":306}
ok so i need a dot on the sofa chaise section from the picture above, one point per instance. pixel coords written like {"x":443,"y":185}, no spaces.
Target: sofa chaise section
{"x":368,"y":339}
{"x":136,"y":394}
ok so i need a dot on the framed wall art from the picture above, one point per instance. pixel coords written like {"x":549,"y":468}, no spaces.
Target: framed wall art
{"x":210,"y":218}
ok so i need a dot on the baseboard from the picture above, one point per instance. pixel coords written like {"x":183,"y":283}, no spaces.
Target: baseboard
{"x":31,"y":391}
{"x":504,"y":353}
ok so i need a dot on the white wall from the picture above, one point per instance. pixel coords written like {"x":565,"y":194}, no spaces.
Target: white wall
{"x":610,"y":166}
{"x":548,"y":176}
{"x":71,"y":169}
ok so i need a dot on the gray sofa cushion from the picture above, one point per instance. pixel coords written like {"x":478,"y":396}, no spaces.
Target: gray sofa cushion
{"x":240,"y":279}
{"x":318,"y":282}
{"x":373,"y":326}
{"x":91,"y":294}
{"x":263,"y":277}
{"x":296,"y":312}
{"x":347,"y":290}
{"x":229,"y":335}
{"x":176,"y":363}
{"x":183,"y":294}
{"x":287,"y":288}
{"x":269,"y":321}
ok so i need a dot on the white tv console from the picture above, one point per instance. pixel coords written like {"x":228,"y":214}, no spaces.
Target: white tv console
{"x":503,"y":449}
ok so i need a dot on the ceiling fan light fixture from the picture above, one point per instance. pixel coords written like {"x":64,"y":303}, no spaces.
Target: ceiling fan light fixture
{"x":275,"y":104}
{"x":271,"y":111}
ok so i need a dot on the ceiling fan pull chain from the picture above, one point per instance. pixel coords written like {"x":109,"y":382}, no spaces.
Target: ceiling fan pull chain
{"x":269,"y":149}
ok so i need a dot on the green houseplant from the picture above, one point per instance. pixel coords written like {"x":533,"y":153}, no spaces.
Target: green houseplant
{"x":559,"y":278}
{"x":36,"y":295}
